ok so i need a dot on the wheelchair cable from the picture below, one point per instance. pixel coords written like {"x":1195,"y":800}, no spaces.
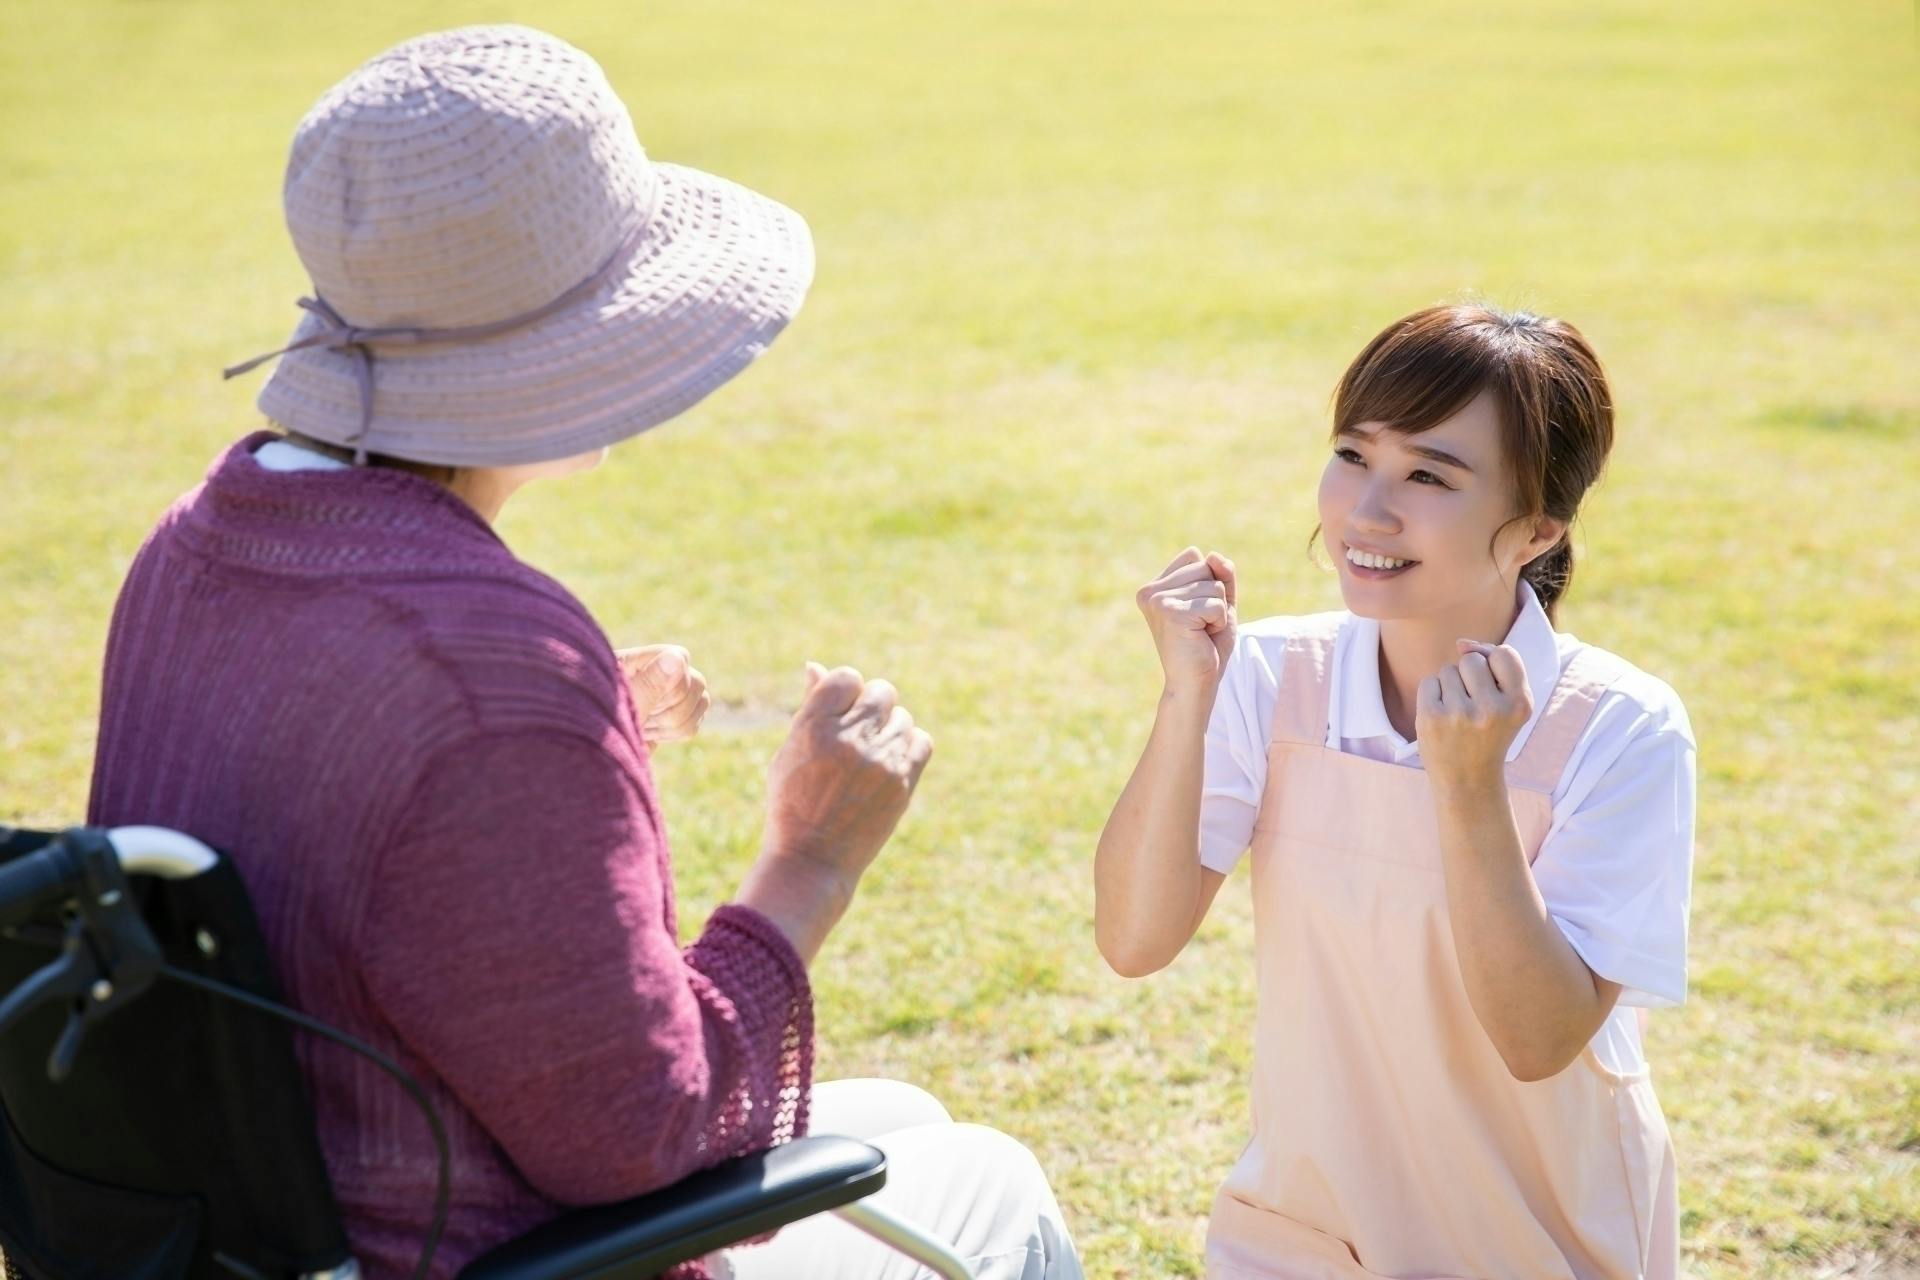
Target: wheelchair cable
{"x":379,"y":1059}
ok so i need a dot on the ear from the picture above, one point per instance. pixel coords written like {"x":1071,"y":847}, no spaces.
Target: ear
{"x":1547,"y":533}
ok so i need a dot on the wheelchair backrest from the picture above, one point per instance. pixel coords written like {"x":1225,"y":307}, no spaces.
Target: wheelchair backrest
{"x":182,"y":1143}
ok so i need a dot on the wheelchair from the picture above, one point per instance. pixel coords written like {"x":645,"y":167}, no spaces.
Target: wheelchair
{"x":154,"y":1122}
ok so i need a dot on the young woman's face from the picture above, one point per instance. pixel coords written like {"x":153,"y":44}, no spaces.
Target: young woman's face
{"x":1435,"y":500}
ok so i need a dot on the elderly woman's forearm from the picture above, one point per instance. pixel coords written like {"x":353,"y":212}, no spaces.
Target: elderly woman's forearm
{"x":803,"y":901}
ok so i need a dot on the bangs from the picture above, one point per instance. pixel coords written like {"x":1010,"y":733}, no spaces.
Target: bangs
{"x":1415,"y":375}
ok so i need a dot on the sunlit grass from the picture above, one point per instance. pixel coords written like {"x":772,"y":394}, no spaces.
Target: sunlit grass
{"x":1087,"y":275}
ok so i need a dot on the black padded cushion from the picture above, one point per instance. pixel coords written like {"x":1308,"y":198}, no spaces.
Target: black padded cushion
{"x":717,"y":1207}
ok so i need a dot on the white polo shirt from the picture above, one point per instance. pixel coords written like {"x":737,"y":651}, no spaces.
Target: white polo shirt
{"x":1617,"y":866}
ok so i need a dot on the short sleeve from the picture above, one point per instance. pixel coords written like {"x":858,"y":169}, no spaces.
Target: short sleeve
{"x":1616,"y":870}
{"x":1234,"y":773}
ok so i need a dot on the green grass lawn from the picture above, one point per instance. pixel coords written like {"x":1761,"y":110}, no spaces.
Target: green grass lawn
{"x":1087,"y":275}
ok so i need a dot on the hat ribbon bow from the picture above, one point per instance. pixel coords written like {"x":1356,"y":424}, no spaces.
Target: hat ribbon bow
{"x":335,"y":334}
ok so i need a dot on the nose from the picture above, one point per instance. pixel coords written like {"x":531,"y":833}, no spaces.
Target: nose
{"x":1374,"y":512}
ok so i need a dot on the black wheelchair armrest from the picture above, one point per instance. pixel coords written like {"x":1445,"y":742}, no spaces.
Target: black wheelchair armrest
{"x":710,"y":1210}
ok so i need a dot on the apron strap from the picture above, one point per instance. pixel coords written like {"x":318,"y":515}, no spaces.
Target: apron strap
{"x":1571,"y":705}
{"x":1306,"y":681}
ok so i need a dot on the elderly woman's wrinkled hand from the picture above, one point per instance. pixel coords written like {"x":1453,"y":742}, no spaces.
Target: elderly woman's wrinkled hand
{"x":843,"y":778}
{"x":835,"y":790}
{"x":668,"y":691}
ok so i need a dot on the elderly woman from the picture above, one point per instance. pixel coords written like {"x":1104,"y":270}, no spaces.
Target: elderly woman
{"x":424,"y":757}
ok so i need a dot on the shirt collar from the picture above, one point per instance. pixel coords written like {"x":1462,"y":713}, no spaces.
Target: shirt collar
{"x":1359,"y":711}
{"x":360,"y":521}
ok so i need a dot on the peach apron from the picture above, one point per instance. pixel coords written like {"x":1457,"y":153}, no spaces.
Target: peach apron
{"x":1389,"y":1138}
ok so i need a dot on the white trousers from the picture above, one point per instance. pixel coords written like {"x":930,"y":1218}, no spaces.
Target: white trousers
{"x":970,"y":1186}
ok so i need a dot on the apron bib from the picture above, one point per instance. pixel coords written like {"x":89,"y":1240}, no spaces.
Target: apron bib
{"x":1389,"y":1139}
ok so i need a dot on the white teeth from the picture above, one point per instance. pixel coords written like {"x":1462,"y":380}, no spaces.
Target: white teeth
{"x":1367,"y":560}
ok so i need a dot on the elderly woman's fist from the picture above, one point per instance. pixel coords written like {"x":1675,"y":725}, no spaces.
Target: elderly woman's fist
{"x":668,"y":691}
{"x":842,"y":779}
{"x":835,"y":790}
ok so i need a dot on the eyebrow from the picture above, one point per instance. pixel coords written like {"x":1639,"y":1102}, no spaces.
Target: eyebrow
{"x":1412,"y":446}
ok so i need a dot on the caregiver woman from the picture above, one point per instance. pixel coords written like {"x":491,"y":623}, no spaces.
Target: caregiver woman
{"x":1471,"y":839}
{"x":423,"y":756}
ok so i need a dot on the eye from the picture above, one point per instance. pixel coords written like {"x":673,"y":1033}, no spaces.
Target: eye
{"x":1427,"y":477}
{"x":1350,"y":455}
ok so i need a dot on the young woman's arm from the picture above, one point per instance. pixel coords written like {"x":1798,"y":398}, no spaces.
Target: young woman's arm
{"x":1150,"y":890}
{"x":1535,"y":997}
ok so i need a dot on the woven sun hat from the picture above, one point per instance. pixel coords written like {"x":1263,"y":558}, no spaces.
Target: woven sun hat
{"x":500,"y":273}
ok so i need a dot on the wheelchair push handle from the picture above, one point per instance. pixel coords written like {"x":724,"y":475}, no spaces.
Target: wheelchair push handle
{"x":157,"y":851}
{"x":29,"y":883}
{"x":107,"y":956}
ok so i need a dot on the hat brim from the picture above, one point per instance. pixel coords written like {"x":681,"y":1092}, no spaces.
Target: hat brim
{"x":718,"y":273}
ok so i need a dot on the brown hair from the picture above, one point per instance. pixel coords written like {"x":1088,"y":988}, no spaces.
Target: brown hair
{"x":1556,"y":414}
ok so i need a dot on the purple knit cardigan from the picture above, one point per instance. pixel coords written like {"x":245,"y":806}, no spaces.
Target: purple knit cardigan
{"x":423,"y":760}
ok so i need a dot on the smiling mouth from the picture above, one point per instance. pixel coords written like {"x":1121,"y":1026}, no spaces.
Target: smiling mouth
{"x":1369,"y":565}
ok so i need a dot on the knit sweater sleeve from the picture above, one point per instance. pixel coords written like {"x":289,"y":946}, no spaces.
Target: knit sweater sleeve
{"x":518,"y":937}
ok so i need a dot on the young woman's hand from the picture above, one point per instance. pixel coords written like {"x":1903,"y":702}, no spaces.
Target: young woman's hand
{"x":1469,"y":714}
{"x":1190,"y":610}
{"x":668,"y":691}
